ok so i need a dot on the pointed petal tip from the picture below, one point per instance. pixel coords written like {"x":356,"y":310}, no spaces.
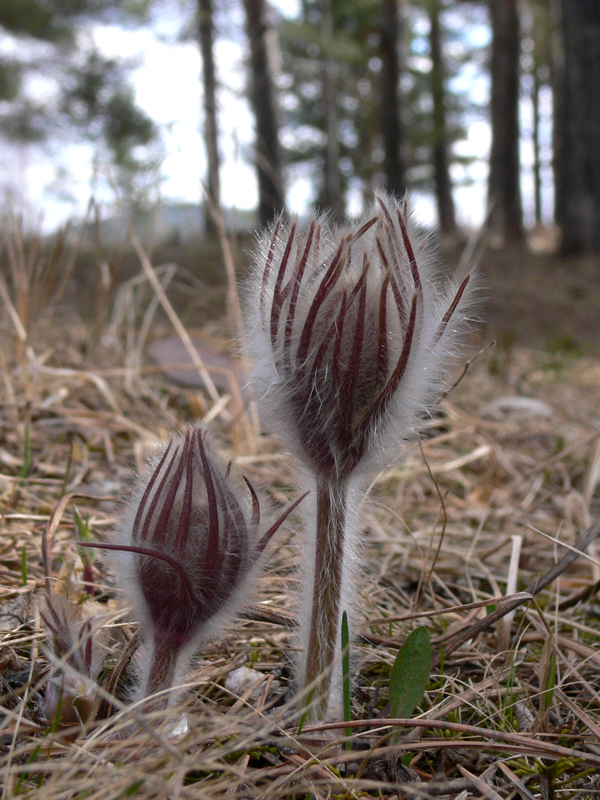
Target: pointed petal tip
{"x":262,"y":543}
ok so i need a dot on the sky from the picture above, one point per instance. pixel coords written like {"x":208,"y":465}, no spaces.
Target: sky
{"x":167,"y":84}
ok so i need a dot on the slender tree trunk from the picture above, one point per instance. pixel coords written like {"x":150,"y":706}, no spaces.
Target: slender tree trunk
{"x":209,"y":84}
{"x":441,"y":161}
{"x":504,"y":191}
{"x":391,"y":117}
{"x":332,"y":191}
{"x":579,"y":172}
{"x":558,"y":116}
{"x":535,"y":135}
{"x":262,"y":100}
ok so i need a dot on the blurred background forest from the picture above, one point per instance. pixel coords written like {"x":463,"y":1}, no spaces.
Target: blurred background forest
{"x":175,"y":115}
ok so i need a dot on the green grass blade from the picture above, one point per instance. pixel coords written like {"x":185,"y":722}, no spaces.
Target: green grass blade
{"x":547,"y":673}
{"x":24,"y":566}
{"x":303,"y":718}
{"x":26,"y":455}
{"x":65,"y":482}
{"x":24,"y":775}
{"x":346,"y":676}
{"x":550,"y":683}
{"x":83,"y":526}
{"x":410,"y":674}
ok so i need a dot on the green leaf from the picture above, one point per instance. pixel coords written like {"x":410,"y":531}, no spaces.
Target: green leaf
{"x":346,"y":676}
{"x":410,"y":674}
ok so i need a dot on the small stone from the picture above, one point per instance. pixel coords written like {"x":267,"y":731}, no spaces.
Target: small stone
{"x":239,"y":681}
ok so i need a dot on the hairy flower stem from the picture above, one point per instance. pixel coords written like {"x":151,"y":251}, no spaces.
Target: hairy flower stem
{"x":161,"y":676}
{"x":332,"y":494}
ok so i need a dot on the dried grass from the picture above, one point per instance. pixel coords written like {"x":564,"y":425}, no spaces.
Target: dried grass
{"x":494,"y":496}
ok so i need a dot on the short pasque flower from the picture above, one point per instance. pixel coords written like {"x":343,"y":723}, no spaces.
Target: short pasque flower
{"x":80,"y":648}
{"x":189,"y":542}
{"x":351,"y":330}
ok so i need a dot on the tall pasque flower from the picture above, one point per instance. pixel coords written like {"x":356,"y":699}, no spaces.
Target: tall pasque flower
{"x":188,"y":546}
{"x":351,"y":332}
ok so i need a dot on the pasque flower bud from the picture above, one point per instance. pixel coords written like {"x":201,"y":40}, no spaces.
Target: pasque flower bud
{"x":351,"y":330}
{"x":70,"y":696}
{"x":188,"y":544}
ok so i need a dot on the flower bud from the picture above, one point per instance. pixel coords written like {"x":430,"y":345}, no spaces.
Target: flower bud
{"x":351,"y":332}
{"x":70,"y":694}
{"x":189,"y":542}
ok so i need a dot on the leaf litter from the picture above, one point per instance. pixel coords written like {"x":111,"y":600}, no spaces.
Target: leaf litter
{"x":509,"y":466}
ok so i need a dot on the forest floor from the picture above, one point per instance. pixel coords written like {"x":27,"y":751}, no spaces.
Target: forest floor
{"x":538,"y":299}
{"x":507,"y":473}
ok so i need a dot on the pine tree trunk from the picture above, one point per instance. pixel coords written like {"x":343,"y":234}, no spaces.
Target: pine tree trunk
{"x":262,"y":100}
{"x":578,"y":209}
{"x":504,"y":191}
{"x":535,"y":135}
{"x":441,"y":161}
{"x":332,"y":193}
{"x":558,"y":116}
{"x":391,"y":119}
{"x":209,"y":85}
